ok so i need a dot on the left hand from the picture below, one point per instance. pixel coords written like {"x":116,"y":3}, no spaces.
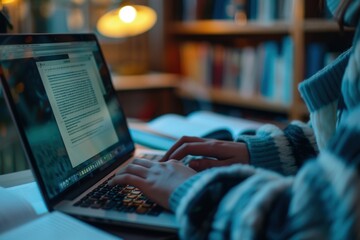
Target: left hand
{"x":157,"y":180}
{"x":225,"y":153}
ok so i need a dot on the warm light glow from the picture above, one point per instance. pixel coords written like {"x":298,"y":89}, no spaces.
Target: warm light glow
{"x":110,"y":24}
{"x":7,"y":1}
{"x":127,"y":14}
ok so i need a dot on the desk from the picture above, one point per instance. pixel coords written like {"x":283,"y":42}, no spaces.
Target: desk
{"x":23,"y":182}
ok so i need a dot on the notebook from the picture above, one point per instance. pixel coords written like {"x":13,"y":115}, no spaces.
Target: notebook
{"x":73,"y":129}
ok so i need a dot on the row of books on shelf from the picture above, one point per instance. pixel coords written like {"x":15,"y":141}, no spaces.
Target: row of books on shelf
{"x":264,"y":70}
{"x":262,"y":10}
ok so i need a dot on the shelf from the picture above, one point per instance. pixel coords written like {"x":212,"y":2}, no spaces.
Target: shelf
{"x":196,"y":92}
{"x":321,"y":26}
{"x":144,"y":81}
{"x":226,"y":27}
{"x":228,"y":34}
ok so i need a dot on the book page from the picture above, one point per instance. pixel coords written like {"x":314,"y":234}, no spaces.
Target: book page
{"x":31,"y":193}
{"x":14,"y":210}
{"x":218,"y":121}
{"x":177,"y":126}
{"x":55,"y":226}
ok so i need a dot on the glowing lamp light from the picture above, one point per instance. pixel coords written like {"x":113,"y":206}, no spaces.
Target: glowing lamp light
{"x":129,"y":20}
{"x":7,"y":1}
{"x":127,"y":14}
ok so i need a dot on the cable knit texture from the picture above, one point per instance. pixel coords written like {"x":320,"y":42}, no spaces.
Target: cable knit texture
{"x":293,"y":190}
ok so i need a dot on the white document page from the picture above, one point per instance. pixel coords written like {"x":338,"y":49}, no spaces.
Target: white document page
{"x":177,"y":126}
{"x":31,"y":193}
{"x":215,"y":120}
{"x":14,"y":210}
{"x":56,"y":226}
{"x":75,"y":96}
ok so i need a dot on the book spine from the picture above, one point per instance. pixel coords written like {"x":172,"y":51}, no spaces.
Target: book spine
{"x":254,"y":10}
{"x":264,"y":70}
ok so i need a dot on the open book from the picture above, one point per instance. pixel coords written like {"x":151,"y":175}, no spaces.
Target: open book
{"x":163,"y":131}
{"x":19,"y":220}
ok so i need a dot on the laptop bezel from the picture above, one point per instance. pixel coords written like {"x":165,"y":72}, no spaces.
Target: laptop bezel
{"x":83,"y":184}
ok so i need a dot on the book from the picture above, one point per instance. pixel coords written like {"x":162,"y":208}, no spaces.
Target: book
{"x":249,"y":68}
{"x":19,"y":220}
{"x":162,"y":132}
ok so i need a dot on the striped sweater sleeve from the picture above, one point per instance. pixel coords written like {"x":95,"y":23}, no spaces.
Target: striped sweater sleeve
{"x":286,"y":150}
{"x":243,"y":202}
{"x":281,"y":150}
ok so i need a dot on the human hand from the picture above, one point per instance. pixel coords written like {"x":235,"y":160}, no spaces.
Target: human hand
{"x":224,"y":152}
{"x":157,"y":180}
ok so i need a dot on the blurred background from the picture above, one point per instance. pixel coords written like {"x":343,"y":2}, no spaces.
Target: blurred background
{"x":243,"y":58}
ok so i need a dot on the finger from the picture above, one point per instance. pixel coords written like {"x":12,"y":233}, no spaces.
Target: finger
{"x":142,"y":162}
{"x":174,"y":161}
{"x":196,"y":149}
{"x":180,"y":142}
{"x":127,"y":179}
{"x":202,"y":164}
{"x":133,"y":169}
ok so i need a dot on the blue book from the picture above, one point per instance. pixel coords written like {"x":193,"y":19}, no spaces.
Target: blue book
{"x":288,"y":55}
{"x":315,"y":58}
{"x":267,"y":80}
{"x":252,"y":9}
{"x":220,"y":9}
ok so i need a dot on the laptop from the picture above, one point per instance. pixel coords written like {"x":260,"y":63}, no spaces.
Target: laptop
{"x":73,"y":129}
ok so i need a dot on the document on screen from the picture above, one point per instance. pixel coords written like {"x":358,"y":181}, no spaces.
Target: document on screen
{"x":75,"y":95}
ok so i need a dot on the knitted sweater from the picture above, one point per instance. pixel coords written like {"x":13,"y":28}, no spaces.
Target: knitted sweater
{"x":293,"y":189}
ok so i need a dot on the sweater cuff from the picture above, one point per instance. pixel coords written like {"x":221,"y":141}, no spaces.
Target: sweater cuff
{"x":270,"y":149}
{"x":324,"y":87}
{"x":181,"y":191}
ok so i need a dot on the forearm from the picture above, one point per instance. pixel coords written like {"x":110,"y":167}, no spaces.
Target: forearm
{"x":195,"y":202}
{"x":242,"y":202}
{"x":205,"y":205}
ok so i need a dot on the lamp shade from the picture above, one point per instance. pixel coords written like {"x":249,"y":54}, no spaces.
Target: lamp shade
{"x":136,"y":21}
{"x":7,"y":1}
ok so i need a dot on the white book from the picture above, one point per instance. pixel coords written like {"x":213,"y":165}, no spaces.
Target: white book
{"x":164,"y":130}
{"x":19,"y":220}
{"x":248,"y":72}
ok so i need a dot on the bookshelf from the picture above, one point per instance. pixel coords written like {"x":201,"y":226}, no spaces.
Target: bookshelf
{"x":302,"y":28}
{"x":146,"y":96}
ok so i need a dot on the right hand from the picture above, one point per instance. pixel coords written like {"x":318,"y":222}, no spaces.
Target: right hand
{"x":213,"y":153}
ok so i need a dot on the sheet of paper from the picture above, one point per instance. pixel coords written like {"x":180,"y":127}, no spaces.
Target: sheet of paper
{"x":214,"y":120}
{"x":56,"y":226}
{"x":14,"y":210}
{"x":30,"y":192}
{"x":178,"y":126}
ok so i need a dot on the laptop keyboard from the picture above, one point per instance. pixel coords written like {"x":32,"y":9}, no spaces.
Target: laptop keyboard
{"x":120,"y":198}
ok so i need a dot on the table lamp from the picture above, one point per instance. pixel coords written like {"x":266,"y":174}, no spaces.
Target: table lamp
{"x":126,"y":20}
{"x":123,"y":23}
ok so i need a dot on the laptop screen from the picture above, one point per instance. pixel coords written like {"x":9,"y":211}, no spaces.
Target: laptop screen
{"x":66,"y":106}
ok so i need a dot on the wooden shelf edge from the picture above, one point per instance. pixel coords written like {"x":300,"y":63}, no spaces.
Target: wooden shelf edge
{"x":322,"y":26}
{"x":188,"y":90}
{"x":145,"y":81}
{"x":228,"y":27}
